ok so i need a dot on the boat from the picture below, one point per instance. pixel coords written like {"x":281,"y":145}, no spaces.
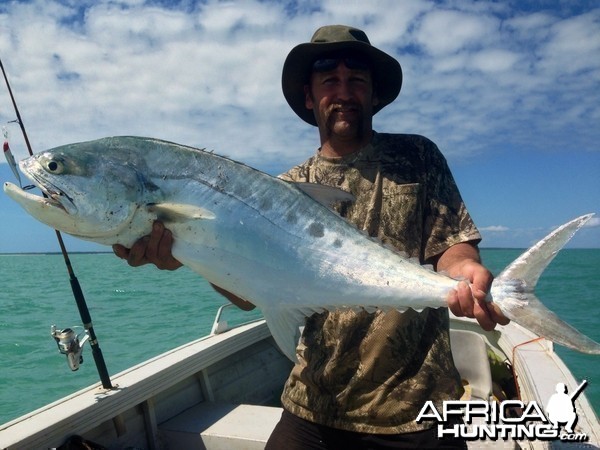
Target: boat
{"x":222,"y":391}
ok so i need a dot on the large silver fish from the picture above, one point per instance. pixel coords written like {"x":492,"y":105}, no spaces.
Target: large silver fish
{"x":259,"y":237}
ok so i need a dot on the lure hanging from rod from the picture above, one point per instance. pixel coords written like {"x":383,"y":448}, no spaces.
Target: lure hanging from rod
{"x":9,"y":156}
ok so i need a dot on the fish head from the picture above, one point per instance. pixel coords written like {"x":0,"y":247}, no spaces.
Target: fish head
{"x":87,"y":193}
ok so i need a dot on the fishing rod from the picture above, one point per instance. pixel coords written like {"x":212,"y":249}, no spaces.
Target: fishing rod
{"x":66,"y":340}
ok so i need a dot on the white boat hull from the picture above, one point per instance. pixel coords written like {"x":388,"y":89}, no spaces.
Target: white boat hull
{"x":222,"y":391}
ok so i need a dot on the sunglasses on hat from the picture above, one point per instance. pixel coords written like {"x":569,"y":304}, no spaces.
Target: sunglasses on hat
{"x":327,"y":64}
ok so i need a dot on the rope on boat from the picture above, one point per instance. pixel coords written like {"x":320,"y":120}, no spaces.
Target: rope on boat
{"x":512,"y":365}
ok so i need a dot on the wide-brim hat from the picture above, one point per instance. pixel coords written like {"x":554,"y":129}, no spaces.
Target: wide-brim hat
{"x":330,"y":39}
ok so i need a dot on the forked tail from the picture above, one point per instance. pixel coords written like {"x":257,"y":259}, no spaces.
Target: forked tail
{"x":512,"y":291}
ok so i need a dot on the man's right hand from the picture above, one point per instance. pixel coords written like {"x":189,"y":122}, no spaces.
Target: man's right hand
{"x":156,"y":249}
{"x":152,"y":249}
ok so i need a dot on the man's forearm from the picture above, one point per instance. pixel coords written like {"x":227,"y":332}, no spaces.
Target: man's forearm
{"x":456,"y":255}
{"x":237,"y":301}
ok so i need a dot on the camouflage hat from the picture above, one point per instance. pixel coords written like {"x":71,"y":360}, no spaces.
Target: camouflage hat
{"x":332,"y":39}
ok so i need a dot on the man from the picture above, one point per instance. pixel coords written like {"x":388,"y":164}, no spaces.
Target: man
{"x":362,"y":378}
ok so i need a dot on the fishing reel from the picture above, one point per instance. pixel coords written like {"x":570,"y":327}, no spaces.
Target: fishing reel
{"x":69,"y":343}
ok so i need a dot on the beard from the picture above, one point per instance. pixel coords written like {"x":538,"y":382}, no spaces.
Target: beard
{"x":353,"y":127}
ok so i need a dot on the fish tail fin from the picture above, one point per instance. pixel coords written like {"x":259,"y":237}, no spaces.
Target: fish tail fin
{"x":512,"y":291}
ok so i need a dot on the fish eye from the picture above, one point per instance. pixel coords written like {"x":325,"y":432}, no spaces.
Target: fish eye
{"x":54,"y":167}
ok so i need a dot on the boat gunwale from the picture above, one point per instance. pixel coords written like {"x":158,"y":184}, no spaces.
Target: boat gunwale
{"x":95,"y":405}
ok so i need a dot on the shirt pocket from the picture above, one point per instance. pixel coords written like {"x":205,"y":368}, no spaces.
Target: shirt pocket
{"x":402,"y":216}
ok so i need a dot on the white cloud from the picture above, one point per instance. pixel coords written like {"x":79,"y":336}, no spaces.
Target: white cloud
{"x":477,"y":75}
{"x":444,"y":32}
{"x":494,"y":60}
{"x":570,"y":43}
{"x":480,"y":78}
{"x":530,"y":23}
{"x":495,"y":228}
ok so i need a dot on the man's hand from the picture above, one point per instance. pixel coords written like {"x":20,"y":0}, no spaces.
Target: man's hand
{"x":152,"y":249}
{"x":156,"y":249}
{"x":462,"y":261}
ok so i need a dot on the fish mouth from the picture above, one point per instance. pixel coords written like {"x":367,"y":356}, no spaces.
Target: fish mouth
{"x":31,"y":202}
{"x":51,"y":196}
{"x":52,"y":210}
{"x":54,"y":196}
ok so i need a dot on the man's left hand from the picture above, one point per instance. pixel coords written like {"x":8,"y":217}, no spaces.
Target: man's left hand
{"x":462,"y":262}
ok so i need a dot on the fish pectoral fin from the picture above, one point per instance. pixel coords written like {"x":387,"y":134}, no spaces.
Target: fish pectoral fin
{"x":179,"y":212}
{"x":285,"y":326}
{"x":325,"y":195}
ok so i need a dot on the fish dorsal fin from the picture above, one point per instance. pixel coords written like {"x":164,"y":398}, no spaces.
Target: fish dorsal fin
{"x":179,"y":212}
{"x":325,"y":195}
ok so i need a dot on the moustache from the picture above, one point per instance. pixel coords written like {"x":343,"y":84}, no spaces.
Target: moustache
{"x":344,"y":106}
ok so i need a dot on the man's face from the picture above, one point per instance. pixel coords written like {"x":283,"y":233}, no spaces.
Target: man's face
{"x":342,"y":100}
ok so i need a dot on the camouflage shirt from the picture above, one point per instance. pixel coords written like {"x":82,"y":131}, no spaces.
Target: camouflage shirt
{"x":372,"y":372}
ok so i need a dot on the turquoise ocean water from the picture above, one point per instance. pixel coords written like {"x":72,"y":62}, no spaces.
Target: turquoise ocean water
{"x":139,"y":313}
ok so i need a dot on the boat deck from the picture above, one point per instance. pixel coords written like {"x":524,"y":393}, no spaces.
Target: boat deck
{"x":222,"y":392}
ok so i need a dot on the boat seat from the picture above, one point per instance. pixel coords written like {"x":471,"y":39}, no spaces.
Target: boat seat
{"x":470,"y":358}
{"x":221,"y":426}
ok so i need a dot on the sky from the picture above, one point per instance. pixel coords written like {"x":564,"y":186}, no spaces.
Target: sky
{"x":508,"y":90}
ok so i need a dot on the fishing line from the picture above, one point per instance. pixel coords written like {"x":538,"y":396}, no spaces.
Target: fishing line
{"x":84,"y":312}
